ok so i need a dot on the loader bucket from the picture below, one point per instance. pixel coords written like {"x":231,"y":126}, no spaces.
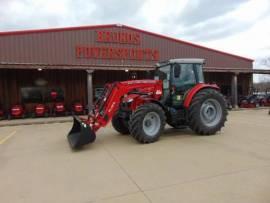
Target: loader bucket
{"x":80,"y":134}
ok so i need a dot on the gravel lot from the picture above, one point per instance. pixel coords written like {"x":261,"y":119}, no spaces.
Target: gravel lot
{"x":37,"y":165}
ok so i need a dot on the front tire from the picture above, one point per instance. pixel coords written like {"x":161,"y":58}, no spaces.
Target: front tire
{"x":119,"y":124}
{"x":207,"y":113}
{"x":147,"y":123}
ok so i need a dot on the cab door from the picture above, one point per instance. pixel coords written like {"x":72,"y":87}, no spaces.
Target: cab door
{"x":182,"y":79}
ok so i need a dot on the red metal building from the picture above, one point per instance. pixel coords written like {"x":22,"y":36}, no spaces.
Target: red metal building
{"x":78,"y":60}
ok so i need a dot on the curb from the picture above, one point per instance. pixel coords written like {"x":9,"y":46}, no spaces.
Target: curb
{"x":250,"y":109}
{"x":5,"y":124}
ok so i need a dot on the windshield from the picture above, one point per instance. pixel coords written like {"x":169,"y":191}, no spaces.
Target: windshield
{"x":163,"y":73}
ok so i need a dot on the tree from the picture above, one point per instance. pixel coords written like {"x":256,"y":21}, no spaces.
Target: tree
{"x":265,"y":62}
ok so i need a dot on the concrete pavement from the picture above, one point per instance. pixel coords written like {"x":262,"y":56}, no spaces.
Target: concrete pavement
{"x":37,"y":165}
{"x":31,"y":121}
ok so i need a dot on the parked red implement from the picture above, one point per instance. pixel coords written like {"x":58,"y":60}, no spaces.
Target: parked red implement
{"x":53,"y":95}
{"x":59,"y":109}
{"x":265,"y":101}
{"x":40,"y":110}
{"x":2,"y":114}
{"x":251,"y":101}
{"x":17,"y":111}
{"x":177,"y":95}
{"x":77,"y":108}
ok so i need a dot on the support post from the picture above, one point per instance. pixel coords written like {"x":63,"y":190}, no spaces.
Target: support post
{"x":234,"y":90}
{"x":250,"y":83}
{"x":6,"y":92}
{"x":89,"y":90}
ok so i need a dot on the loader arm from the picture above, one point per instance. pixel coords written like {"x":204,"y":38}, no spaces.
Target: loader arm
{"x":84,"y":130}
{"x":108,"y":104}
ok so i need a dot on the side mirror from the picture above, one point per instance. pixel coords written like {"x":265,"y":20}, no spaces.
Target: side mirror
{"x":177,"y":70}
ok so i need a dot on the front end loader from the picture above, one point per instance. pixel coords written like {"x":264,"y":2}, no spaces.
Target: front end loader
{"x":177,"y":96}
{"x":84,"y":130}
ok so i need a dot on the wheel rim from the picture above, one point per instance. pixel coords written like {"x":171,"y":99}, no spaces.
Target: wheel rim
{"x":210,"y":112}
{"x":151,"y":124}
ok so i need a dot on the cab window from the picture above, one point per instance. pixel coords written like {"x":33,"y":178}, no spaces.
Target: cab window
{"x":163,"y":73}
{"x":186,"y":77}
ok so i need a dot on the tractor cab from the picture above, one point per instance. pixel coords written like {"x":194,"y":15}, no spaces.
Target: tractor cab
{"x":178,"y":76}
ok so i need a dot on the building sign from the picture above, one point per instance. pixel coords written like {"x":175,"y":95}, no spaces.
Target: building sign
{"x":118,"y":37}
{"x":121,"y":52}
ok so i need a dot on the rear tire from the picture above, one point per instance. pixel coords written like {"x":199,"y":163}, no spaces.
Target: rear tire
{"x":147,"y":123}
{"x":119,"y":124}
{"x":207,"y":112}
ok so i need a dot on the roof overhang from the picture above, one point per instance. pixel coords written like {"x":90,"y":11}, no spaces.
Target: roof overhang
{"x":182,"y":60}
{"x":74,"y":67}
{"x":236,"y":70}
{"x":121,"y":67}
{"x":261,"y":71}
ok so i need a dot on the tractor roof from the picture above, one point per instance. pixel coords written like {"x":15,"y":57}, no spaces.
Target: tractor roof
{"x":181,"y":60}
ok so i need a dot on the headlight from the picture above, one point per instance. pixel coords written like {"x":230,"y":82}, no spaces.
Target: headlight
{"x":130,"y":100}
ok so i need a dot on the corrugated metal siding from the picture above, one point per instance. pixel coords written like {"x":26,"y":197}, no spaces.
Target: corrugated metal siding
{"x":72,"y":82}
{"x":59,"y":48}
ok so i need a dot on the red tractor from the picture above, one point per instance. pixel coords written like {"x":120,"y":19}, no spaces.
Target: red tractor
{"x":177,"y":96}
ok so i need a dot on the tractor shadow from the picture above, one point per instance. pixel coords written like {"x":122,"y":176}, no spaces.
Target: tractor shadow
{"x":114,"y":139}
{"x":170,"y":132}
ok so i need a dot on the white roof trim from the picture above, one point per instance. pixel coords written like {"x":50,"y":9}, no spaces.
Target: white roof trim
{"x":182,"y":60}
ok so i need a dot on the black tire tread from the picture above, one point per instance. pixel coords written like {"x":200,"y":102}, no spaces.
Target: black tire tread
{"x":119,"y":125}
{"x":136,"y":119}
{"x":193,"y":113}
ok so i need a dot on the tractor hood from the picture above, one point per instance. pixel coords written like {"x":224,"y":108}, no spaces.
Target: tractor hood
{"x":133,"y":82}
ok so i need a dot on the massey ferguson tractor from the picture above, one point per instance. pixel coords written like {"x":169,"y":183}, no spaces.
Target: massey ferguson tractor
{"x":177,"y":96}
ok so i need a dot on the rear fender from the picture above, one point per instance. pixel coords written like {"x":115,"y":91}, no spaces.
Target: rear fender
{"x":193,"y":91}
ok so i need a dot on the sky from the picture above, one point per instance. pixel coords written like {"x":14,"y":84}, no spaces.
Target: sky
{"x":241,"y":27}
